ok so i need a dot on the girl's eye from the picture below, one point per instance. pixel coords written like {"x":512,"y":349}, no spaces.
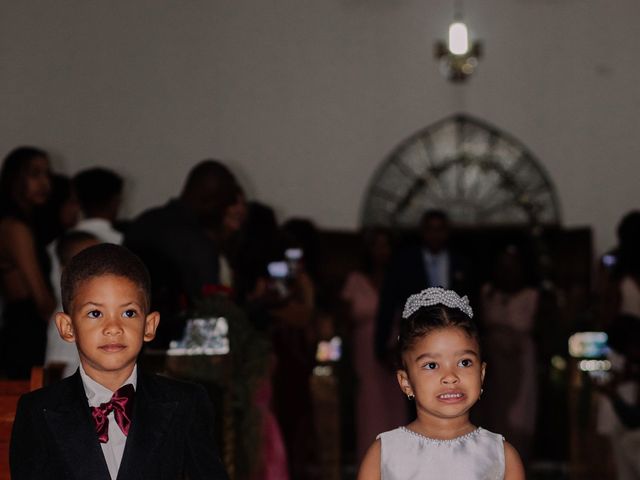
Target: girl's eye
{"x":129,"y":313}
{"x":94,"y":314}
{"x":430,"y":366}
{"x":467,"y":362}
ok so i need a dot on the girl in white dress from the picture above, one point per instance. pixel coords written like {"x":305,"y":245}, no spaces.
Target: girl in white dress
{"x":441,"y":369}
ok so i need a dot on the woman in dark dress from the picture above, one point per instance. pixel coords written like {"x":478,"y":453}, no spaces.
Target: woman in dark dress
{"x":25,"y":186}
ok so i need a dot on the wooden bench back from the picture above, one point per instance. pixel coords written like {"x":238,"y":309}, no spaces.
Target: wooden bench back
{"x":10,"y":392}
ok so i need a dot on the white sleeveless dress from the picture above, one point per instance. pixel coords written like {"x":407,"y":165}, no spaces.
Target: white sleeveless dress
{"x":407,"y":455}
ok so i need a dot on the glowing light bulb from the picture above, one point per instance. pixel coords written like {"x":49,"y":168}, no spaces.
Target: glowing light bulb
{"x":458,"y":38}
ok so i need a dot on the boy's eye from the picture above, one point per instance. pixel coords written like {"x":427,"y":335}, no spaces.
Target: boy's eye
{"x":430,"y":366}
{"x":129,"y":313}
{"x":466,"y":362}
{"x":94,"y":314}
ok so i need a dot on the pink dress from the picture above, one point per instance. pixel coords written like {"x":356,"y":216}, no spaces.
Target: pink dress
{"x":379,"y":402}
{"x":511,"y":389}
{"x":274,"y":455}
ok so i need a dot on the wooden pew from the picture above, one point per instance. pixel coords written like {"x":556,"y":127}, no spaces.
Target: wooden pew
{"x":10,"y":392}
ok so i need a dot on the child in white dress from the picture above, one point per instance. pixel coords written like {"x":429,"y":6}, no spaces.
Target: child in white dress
{"x":441,"y":369}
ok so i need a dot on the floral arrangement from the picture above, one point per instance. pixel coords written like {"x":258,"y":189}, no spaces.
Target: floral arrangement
{"x":213,"y":322}
{"x":203,"y":337}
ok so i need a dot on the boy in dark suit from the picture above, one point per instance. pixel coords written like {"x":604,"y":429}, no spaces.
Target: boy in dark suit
{"x":107,"y":421}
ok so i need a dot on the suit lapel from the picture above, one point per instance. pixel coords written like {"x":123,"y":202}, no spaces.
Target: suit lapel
{"x":69,"y":421}
{"x":152,"y":415}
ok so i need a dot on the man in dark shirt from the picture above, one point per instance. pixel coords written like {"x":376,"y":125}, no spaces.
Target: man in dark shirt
{"x":176,"y":244}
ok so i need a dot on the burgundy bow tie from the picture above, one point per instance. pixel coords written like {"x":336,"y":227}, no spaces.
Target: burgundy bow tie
{"x":121,"y":404}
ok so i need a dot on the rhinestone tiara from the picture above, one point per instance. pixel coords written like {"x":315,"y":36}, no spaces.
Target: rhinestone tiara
{"x":436,"y":296}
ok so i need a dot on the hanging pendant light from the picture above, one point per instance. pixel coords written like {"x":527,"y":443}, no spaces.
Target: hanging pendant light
{"x":458,"y":56}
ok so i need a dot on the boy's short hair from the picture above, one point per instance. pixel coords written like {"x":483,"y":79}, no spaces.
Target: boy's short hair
{"x":96,"y":188}
{"x":99,"y":260}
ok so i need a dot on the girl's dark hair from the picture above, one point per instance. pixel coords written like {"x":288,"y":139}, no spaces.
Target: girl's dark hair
{"x":428,"y":319}
{"x":11,"y":173}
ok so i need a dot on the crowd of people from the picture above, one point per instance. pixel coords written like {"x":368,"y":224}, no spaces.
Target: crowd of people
{"x":212,"y":237}
{"x":209,"y":237}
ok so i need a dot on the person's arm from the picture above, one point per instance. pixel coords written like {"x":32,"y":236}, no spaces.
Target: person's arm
{"x":27,"y":452}
{"x":513,"y":468}
{"x":370,"y":466}
{"x":202,"y":458}
{"x":21,"y":247}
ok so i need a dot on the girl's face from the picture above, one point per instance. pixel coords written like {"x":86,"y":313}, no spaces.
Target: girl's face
{"x":36,"y":182}
{"x":444,"y":372}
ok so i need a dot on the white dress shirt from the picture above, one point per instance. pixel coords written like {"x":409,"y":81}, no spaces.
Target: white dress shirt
{"x":101,"y":228}
{"x":437,"y":266}
{"x":97,"y":394}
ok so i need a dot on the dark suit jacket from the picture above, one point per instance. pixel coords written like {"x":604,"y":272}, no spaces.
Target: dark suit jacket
{"x":181,"y":259}
{"x":407,"y":275}
{"x":171,"y":436}
{"x":176,"y":248}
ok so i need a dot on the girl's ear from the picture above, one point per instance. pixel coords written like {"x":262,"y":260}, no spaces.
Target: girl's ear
{"x":484,"y":368}
{"x":404,"y":382}
{"x":65,"y":327}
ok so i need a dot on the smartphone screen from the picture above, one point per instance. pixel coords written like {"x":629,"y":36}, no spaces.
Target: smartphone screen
{"x":279,"y":277}
{"x":609,"y":260}
{"x":279,"y":270}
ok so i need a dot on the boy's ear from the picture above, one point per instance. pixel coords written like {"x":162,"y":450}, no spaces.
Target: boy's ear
{"x":65,"y":327}
{"x":150,"y":326}
{"x":403,"y":381}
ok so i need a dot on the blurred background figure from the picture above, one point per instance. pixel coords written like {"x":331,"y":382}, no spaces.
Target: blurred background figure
{"x":294,"y":335}
{"x":61,"y":357}
{"x":226,"y":236}
{"x":620,"y":405}
{"x":61,"y":212}
{"x":509,"y":304}
{"x":179,"y":242}
{"x":99,"y":191}
{"x":379,"y":405}
{"x":58,"y":216}
{"x":621,"y":271}
{"x":25,"y":185}
{"x":620,"y":318}
{"x":260,"y":243}
{"x":429,"y":264}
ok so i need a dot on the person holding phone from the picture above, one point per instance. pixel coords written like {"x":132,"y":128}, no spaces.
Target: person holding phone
{"x":620,"y":302}
{"x":621,"y":393}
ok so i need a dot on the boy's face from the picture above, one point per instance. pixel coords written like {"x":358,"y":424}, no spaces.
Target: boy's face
{"x":108,"y":321}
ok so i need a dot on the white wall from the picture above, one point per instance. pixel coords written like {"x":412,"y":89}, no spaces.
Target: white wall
{"x":304,"y":98}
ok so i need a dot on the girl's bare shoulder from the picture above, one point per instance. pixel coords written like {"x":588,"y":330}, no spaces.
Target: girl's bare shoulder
{"x":513,"y":468}
{"x":370,"y":466}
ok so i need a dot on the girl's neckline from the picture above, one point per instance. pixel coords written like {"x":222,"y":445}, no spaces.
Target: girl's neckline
{"x":442,"y":441}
